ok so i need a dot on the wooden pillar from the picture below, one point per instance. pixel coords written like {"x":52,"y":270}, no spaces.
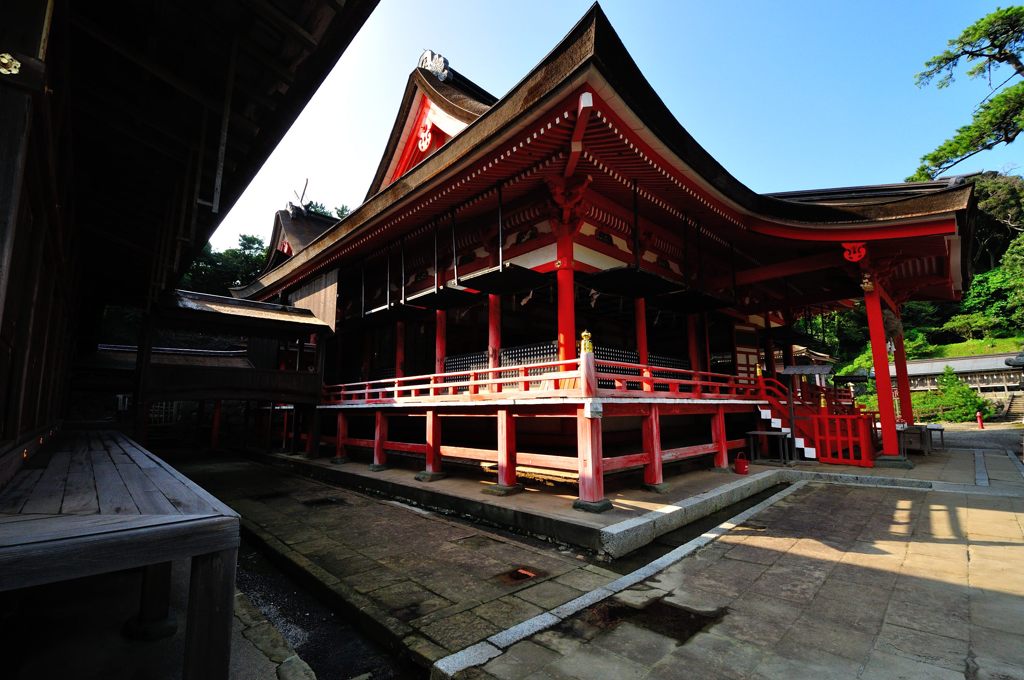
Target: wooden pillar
{"x":769,"y":346}
{"x":883,"y":384}
{"x":380,"y":436}
{"x":440,"y":340}
{"x":215,"y":425}
{"x":693,"y":345}
{"x":154,"y":620}
{"x":507,"y":481}
{"x":143,"y":353}
{"x":399,"y":349}
{"x":720,"y":439}
{"x":643,"y":357}
{"x":653,"y":479}
{"x":591,"y":465}
{"x":433,"y":469}
{"x":24,"y":31}
{"x":340,"y":452}
{"x":493,"y":337}
{"x":312,"y":431}
{"x":706,"y":335}
{"x":589,"y":444}
{"x":296,"y":429}
{"x":787,"y":348}
{"x":903,"y":381}
{"x":211,"y":599}
{"x":566,"y":284}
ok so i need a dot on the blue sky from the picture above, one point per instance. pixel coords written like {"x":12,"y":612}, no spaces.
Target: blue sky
{"x":786,"y":95}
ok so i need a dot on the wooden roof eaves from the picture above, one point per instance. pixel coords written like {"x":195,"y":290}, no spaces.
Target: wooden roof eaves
{"x":558,"y":73}
{"x":592,"y":47}
{"x":420,"y":81}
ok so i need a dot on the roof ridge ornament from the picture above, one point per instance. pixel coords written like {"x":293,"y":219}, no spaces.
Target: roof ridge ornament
{"x":435,"y":63}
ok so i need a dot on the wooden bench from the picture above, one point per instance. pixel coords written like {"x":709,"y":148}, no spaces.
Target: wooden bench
{"x":95,"y":502}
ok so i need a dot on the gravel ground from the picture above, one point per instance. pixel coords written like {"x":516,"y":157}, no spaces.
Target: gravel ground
{"x":994,"y":436}
{"x":332,"y":647}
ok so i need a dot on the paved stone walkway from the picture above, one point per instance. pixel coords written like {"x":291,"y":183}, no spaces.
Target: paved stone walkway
{"x":831,"y":582}
{"x":436,"y":585}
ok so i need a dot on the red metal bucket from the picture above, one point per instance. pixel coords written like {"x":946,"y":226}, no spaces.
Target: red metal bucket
{"x":741,"y":464}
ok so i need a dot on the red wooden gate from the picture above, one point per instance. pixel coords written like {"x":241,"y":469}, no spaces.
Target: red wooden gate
{"x":844,"y":439}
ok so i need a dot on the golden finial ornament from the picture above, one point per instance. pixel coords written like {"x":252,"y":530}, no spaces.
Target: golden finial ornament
{"x":586,"y":346}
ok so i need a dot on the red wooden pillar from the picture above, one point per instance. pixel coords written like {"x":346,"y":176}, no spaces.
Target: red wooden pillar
{"x":380,"y":435}
{"x":507,"y":484}
{"x":769,"y":346}
{"x":883,"y":384}
{"x":440,"y":340}
{"x":399,"y":349}
{"x":566,"y":283}
{"x":903,"y":381}
{"x":432,"y":471}
{"x":787,"y":348}
{"x":215,"y":426}
{"x":494,"y":337}
{"x":591,"y":467}
{"x":640,"y":314}
{"x":340,"y":453}
{"x":653,"y":479}
{"x":692,"y":343}
{"x":720,"y":439}
{"x":440,"y":344}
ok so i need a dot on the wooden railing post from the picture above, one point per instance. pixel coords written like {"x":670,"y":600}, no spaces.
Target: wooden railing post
{"x":588,"y":370}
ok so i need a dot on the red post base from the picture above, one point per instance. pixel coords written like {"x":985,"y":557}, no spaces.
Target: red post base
{"x":591,"y":467}
{"x":380,"y":435}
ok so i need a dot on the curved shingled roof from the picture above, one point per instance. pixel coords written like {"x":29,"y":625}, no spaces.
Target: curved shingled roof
{"x":593,"y":55}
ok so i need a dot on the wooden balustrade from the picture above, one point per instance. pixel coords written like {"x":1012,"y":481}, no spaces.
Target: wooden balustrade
{"x":576,"y":378}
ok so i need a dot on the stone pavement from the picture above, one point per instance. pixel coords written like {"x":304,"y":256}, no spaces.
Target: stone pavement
{"x":830,"y":582}
{"x":434,"y":584}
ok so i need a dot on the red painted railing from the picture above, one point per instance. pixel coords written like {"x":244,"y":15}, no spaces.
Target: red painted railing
{"x":619,"y":378}
{"x":540,"y":380}
{"x":585,"y":377}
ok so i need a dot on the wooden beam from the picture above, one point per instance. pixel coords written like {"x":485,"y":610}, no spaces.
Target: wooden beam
{"x":278,"y":19}
{"x":934,"y":227}
{"x":180,"y":84}
{"x":583,"y":109}
{"x":778,"y":270}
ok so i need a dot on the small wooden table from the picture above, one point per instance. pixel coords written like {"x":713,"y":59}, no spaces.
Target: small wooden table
{"x":96,"y":502}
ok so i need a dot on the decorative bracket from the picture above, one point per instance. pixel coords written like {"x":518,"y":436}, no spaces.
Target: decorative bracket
{"x":567,"y":195}
{"x":854,"y":251}
{"x":9,"y":66}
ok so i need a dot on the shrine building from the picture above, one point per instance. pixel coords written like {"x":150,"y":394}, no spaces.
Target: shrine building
{"x":562,"y":279}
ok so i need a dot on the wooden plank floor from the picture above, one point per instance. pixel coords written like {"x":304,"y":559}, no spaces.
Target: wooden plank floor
{"x":100,"y":489}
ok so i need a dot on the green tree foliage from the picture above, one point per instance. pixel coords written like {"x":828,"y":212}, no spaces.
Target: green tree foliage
{"x":317,"y":208}
{"x":1000,"y":217}
{"x":989,"y":46}
{"x":217,"y":271}
{"x":952,"y":400}
{"x":971,"y":326}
